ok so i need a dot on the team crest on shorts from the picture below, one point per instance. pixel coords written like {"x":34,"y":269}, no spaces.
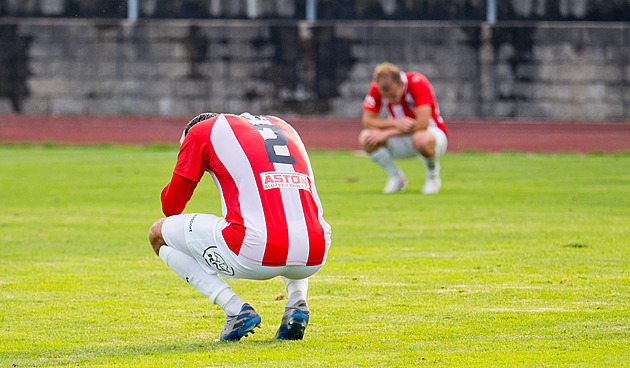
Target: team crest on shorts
{"x":214,"y":260}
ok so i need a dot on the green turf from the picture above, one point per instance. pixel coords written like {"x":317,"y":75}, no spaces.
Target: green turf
{"x":521,"y":261}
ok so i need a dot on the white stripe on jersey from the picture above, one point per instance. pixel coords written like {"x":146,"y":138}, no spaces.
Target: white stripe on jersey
{"x":218,"y":184}
{"x":231,"y":154}
{"x":292,"y":204}
{"x":399,"y":111}
{"x":320,"y":210}
{"x":298,"y":233}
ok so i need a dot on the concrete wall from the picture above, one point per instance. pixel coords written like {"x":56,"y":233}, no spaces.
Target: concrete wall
{"x":183,"y":67}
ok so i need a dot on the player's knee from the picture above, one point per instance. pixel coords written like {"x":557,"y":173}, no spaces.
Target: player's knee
{"x":367,"y":147}
{"x":155,"y":236}
{"x":424,"y":144}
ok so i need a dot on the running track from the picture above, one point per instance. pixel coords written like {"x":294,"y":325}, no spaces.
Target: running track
{"x":327,"y":133}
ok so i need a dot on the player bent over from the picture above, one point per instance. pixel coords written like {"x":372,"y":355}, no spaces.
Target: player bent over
{"x":271,"y":222}
{"x":413,"y":128}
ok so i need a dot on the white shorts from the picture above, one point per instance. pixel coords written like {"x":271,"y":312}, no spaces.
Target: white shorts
{"x":199,"y":235}
{"x":402,"y":146}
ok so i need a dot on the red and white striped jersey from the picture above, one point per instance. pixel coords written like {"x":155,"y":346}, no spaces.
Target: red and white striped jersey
{"x":418,"y":92}
{"x":268,"y":196}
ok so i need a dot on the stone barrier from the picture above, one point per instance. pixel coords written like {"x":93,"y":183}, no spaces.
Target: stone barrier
{"x":540,"y":70}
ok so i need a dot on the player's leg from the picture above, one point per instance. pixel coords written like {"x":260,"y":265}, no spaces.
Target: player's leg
{"x":402,"y":147}
{"x":383,"y":157}
{"x":205,"y":243}
{"x":170,"y":241}
{"x":296,"y":290}
{"x":431,"y":145}
{"x":296,"y":314}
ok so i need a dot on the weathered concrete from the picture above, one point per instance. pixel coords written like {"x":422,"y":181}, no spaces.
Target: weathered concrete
{"x":568,"y":71}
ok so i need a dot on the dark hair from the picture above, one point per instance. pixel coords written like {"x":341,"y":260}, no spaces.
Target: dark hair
{"x":199,"y":118}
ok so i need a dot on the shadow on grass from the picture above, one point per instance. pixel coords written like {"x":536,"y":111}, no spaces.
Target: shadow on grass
{"x":128,"y":354}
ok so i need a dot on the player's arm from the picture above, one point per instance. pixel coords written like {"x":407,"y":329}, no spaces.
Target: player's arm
{"x":371,"y":120}
{"x":376,"y":129}
{"x":423,"y":114}
{"x":176,"y":195}
{"x":191,"y":162}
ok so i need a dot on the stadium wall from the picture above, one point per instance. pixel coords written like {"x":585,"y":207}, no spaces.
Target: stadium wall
{"x":511,"y":70}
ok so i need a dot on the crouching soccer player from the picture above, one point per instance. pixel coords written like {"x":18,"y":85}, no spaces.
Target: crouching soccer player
{"x":271,"y":222}
{"x":414,"y":127}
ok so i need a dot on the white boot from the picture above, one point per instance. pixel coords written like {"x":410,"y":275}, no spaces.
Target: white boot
{"x":432,"y":183}
{"x":396,"y":183}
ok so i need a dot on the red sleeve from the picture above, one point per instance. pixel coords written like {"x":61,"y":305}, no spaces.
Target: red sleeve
{"x":192,"y":160}
{"x":372,"y":101}
{"x":420,"y":89}
{"x":176,"y":194}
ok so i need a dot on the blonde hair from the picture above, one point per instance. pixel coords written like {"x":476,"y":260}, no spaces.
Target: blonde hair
{"x":386,"y":73}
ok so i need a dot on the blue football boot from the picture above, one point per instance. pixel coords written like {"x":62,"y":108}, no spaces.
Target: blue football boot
{"x":240,"y":325}
{"x":294,"y":322}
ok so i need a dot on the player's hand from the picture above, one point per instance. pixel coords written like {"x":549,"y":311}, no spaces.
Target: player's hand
{"x":373,"y":137}
{"x":405,"y":124}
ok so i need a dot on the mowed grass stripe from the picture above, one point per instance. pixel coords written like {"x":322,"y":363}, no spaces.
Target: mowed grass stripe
{"x":522,"y":260}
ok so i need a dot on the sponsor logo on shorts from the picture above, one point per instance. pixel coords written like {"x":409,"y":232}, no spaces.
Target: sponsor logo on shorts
{"x":277,"y":179}
{"x":190,"y":223}
{"x":214,"y":260}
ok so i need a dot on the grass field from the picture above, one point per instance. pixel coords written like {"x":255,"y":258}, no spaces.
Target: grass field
{"x":523,"y":260}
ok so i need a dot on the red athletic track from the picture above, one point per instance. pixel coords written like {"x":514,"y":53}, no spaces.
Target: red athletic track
{"x":326,"y":133}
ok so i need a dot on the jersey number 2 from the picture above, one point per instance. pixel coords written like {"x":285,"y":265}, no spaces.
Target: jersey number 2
{"x":271,"y":143}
